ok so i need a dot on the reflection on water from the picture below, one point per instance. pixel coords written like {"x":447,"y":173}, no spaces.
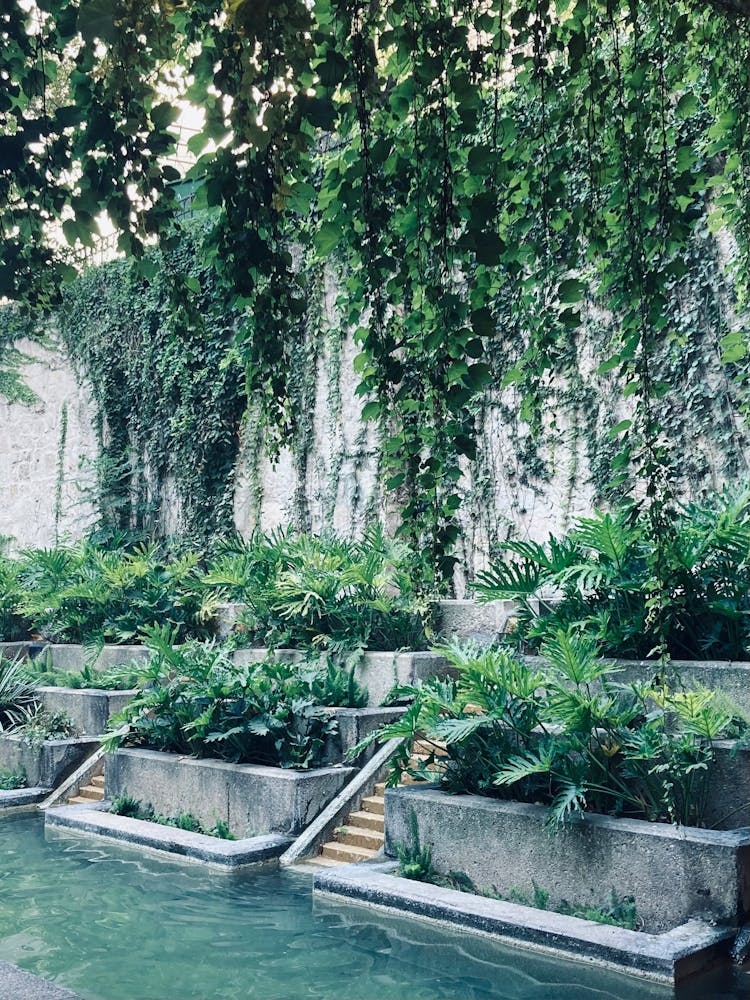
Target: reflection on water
{"x":114,"y":924}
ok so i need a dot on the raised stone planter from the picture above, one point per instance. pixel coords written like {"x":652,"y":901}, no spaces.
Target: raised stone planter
{"x":250,"y":798}
{"x":226,"y":618}
{"x":728,"y":802}
{"x":353,"y":725}
{"x":166,"y":839}
{"x":46,"y":765}
{"x":732,"y":678}
{"x":89,"y":709}
{"x":483,"y":623}
{"x":64,"y":656}
{"x":19,"y":650}
{"x":375,"y":671}
{"x":675,"y":873}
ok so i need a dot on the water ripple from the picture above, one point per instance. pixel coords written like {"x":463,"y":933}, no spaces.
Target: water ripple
{"x":114,"y":924}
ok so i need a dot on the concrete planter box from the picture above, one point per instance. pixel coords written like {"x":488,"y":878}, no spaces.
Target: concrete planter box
{"x":354,"y":724}
{"x":251,"y":798}
{"x":68,"y":656}
{"x":666,"y":958}
{"x":375,"y":671}
{"x":483,"y":623}
{"x":227,"y":616}
{"x":675,"y":873}
{"x":48,"y":764}
{"x":732,"y":678}
{"x":89,"y":709}
{"x":19,"y":650}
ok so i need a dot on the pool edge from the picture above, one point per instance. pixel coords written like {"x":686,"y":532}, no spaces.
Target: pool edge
{"x":666,"y":958}
{"x":178,"y":844}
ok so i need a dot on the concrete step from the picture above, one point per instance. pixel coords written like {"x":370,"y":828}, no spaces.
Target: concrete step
{"x":358,"y":836}
{"x":379,"y":788}
{"x":374,"y":804}
{"x":97,"y":781}
{"x":78,"y":800}
{"x":92,"y":792}
{"x":368,"y":820}
{"x":343,"y":853}
{"x":313,"y":864}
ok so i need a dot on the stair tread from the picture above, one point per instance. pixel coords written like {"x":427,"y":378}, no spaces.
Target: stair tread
{"x":424,"y":749}
{"x":98,"y":780}
{"x":90,"y":792}
{"x":77,"y":800}
{"x":374,"y":804}
{"x":346,"y":852}
{"x":365,"y":820}
{"x":358,"y":836}
{"x":321,"y":862}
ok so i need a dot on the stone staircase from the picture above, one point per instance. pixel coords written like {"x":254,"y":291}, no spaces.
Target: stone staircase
{"x":87,"y":794}
{"x":361,"y":837}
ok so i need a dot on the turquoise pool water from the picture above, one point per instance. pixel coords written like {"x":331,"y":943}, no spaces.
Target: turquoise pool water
{"x":113,"y":924}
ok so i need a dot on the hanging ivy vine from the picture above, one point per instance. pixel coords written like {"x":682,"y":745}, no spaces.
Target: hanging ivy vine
{"x":170,"y":398}
{"x":489,"y":172}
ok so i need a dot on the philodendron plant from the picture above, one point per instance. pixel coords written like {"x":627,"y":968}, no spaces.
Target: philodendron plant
{"x":563,"y":732}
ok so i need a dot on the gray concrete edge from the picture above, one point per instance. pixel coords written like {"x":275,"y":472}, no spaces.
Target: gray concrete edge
{"x":663,"y":958}
{"x":196,"y":847}
{"x":21,"y":799}
{"x":319,"y":830}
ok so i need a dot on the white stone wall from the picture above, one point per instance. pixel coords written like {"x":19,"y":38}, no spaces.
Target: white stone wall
{"x":30,"y":438}
{"x":340,"y":488}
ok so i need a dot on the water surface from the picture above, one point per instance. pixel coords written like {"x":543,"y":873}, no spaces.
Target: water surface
{"x":113,"y":923}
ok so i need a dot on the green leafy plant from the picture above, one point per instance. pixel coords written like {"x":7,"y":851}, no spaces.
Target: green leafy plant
{"x":92,"y":595}
{"x":126,"y":805}
{"x":117,"y":678}
{"x":195,"y":700}
{"x":564,"y":733}
{"x":620,"y":912}
{"x":17,"y":694}
{"x":42,"y":725}
{"x":686,"y":594}
{"x":10,"y":780}
{"x":13,"y":626}
{"x":415,"y":859}
{"x":323,"y":592}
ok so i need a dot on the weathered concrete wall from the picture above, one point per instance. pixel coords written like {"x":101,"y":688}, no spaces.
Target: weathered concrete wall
{"x":353,"y":725}
{"x":35,"y":461}
{"x":89,"y":710}
{"x":71,"y":657}
{"x":46,"y":765}
{"x":252,"y":799}
{"x":507,"y":845}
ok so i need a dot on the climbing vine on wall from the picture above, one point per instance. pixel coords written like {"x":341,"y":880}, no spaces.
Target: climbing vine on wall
{"x":170,"y":395}
{"x":490,"y":172}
